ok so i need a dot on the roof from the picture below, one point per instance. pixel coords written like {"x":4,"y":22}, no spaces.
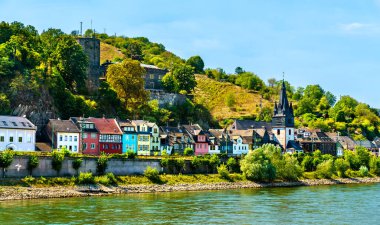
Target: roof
{"x":149,"y":66}
{"x":345,"y":141}
{"x":316,"y":137}
{"x":106,"y":126}
{"x":127,"y":123}
{"x":365,"y":143}
{"x":293,"y":145}
{"x":193,"y":129}
{"x":78,"y":121}
{"x":66,"y":126}
{"x":249,"y":124}
{"x":16,"y":122}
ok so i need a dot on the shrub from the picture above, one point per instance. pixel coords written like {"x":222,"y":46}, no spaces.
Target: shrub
{"x":179,"y":164}
{"x":307,"y":163}
{"x":6,"y":159}
{"x":112,"y":178}
{"x":29,"y":180}
{"x":152,"y":174}
{"x":131,"y":154}
{"x":374,"y":165}
{"x":196,"y":163}
{"x":363,"y":156}
{"x":341,"y":166}
{"x":57,"y":159}
{"x":232,"y":164}
{"x":32,"y":163}
{"x":287,"y":168}
{"x":223,"y":172}
{"x":66,"y":152}
{"x":363,"y":171}
{"x":214,"y":161}
{"x":86,"y":178}
{"x":257,"y":166}
{"x":165,"y":162}
{"x":77,"y":163}
{"x":188,"y":151}
{"x":325,"y":169}
{"x":102,"y":163}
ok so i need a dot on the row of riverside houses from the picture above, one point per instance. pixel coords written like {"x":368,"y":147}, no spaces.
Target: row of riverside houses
{"x":95,"y":135}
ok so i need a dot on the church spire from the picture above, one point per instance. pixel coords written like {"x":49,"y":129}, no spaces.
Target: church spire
{"x":283,"y":111}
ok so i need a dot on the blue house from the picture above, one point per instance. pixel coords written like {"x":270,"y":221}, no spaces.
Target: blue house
{"x":129,"y":139}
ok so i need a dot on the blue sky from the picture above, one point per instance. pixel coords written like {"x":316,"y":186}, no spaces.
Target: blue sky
{"x":334,"y":43}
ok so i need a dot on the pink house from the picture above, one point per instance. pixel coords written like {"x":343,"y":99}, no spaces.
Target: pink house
{"x":201,"y":145}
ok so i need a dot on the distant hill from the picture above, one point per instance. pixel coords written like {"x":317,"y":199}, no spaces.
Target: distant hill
{"x":212,"y":94}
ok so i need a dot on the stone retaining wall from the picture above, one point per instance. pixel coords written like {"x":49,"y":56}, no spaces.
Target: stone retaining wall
{"x":119,"y":167}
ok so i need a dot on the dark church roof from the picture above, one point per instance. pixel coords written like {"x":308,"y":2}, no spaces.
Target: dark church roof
{"x":283,"y":111}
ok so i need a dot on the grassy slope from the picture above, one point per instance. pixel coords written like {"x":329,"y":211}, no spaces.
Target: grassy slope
{"x":212,"y":95}
{"x":109,"y":52}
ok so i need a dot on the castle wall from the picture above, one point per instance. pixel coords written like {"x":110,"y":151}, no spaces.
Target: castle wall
{"x":91,"y":47}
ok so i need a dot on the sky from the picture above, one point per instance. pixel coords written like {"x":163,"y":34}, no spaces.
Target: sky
{"x":333,"y":43}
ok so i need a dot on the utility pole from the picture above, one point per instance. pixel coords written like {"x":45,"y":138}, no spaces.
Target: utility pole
{"x":81,"y":23}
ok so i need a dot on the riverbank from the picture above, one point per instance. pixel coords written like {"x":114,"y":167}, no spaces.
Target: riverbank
{"x":19,"y":193}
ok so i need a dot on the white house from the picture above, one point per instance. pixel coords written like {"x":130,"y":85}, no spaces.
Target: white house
{"x":239,"y":146}
{"x":63,"y":134}
{"x":17,"y":133}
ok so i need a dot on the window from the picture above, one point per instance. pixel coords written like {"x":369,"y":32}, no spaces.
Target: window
{"x":278,"y":132}
{"x":290,"y":132}
{"x":151,"y":76}
{"x":84,"y":135}
{"x":75,"y":148}
{"x":155,"y":130}
{"x":93,"y":135}
{"x":20,"y":139}
{"x":1,"y":138}
{"x":133,"y":137}
{"x":65,"y":137}
{"x":84,"y":146}
{"x":70,"y":138}
{"x":92,"y":145}
{"x":11,"y":139}
{"x":75,"y":138}
{"x":70,"y":148}
{"x":60,"y":137}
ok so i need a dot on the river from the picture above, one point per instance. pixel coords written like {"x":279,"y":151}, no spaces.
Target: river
{"x":334,"y":204}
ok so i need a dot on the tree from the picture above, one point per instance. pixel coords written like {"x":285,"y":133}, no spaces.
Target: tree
{"x":249,"y":81}
{"x":181,"y":78}
{"x":188,"y":151}
{"x":326,"y":169}
{"x":102,"y":164}
{"x":32,"y":163}
{"x":271,"y":82}
{"x":197,"y":63}
{"x":72,"y":62}
{"x":6,"y":159}
{"x":341,"y":167}
{"x":239,"y":70}
{"x":127,"y":80}
{"x":77,"y":163}
{"x":257,"y":166}
{"x":57,"y":158}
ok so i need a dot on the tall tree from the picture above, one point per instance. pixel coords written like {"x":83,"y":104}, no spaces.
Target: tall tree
{"x":180,"y":79}
{"x":71,"y":62}
{"x":127,"y":80}
{"x":197,"y":63}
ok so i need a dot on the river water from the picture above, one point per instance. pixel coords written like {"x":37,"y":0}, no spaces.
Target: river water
{"x":339,"y":204}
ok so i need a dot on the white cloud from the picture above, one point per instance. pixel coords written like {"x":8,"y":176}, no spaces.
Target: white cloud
{"x":354,"y":26}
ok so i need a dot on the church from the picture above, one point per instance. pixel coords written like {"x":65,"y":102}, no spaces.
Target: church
{"x":281,"y":130}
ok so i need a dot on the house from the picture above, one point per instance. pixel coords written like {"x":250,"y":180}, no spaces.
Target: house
{"x":89,"y":137}
{"x":17,"y":133}
{"x":376,"y":142}
{"x":175,"y":140}
{"x":63,"y":134}
{"x":213,"y":143}
{"x":153,"y":76}
{"x":129,"y":139}
{"x":224,"y":140}
{"x":317,"y":140}
{"x":110,"y":135}
{"x":201,"y":145}
{"x":148,"y":137}
{"x":368,"y":145}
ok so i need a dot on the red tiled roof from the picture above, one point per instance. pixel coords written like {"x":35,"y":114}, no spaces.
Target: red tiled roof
{"x":106,"y":126}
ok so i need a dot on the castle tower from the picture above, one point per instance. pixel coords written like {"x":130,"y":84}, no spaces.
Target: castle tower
{"x":283,"y":119}
{"x":91,"y":47}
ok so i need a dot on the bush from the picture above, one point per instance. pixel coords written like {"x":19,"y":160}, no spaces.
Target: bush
{"x":112,"y":178}
{"x":214,"y":161}
{"x":341,"y":166}
{"x":325,"y":169}
{"x":6,"y":159}
{"x":32,"y":163}
{"x":223,"y":172}
{"x":66,"y":152}
{"x":29,"y":180}
{"x":108,"y":179}
{"x":363,"y":171}
{"x":86,"y":178}
{"x":307,"y":163}
{"x":131,"y":154}
{"x":57,"y":159}
{"x":287,"y":168}
{"x":257,"y":166}
{"x":188,"y":151}
{"x":374,"y":165}
{"x":152,"y":174}
{"x":165,"y":162}
{"x":232,"y":164}
{"x":179,"y":164}
{"x":102,"y":163}
{"x":77,"y":163}
{"x":196,"y":163}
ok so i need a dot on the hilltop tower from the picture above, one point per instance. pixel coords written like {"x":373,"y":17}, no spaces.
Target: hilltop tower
{"x":283,"y":120}
{"x":91,"y":47}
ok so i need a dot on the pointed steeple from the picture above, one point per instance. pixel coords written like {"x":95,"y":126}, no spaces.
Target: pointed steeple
{"x":283,"y":111}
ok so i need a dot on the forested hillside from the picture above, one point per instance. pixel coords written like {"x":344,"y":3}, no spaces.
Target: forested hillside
{"x":42,"y":76}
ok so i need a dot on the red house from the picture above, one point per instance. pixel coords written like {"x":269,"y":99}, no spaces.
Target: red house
{"x":109,"y":135}
{"x":89,"y":136}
